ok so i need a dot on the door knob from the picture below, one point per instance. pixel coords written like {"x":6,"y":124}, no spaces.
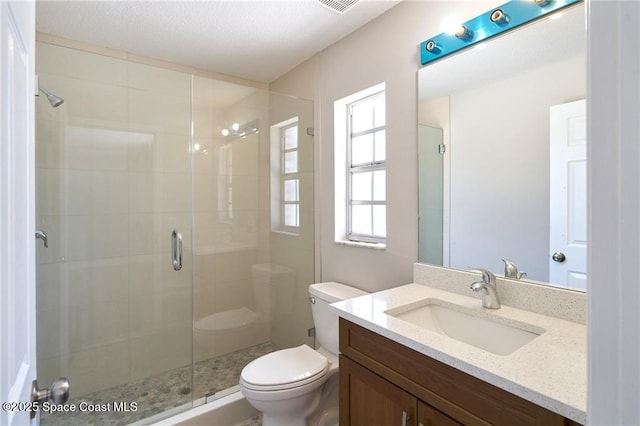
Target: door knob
{"x":58,"y":393}
{"x":558,"y":257}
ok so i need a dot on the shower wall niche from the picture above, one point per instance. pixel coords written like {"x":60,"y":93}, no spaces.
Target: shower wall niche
{"x":136,"y":151}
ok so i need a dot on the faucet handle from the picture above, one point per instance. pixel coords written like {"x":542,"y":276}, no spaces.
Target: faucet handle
{"x":487,"y":276}
{"x":511,"y":270}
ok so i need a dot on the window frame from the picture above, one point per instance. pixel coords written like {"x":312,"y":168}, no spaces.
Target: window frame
{"x":284,"y":176}
{"x":371,"y":166}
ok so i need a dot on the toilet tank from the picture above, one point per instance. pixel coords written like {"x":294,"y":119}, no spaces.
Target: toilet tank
{"x":324,"y":320}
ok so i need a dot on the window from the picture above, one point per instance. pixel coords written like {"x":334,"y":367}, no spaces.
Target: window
{"x":290,"y":216}
{"x":361,"y":154}
{"x":285,"y":203}
{"x":225,"y":183}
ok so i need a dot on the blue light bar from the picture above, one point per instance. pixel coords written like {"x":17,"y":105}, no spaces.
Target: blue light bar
{"x":496,"y":21}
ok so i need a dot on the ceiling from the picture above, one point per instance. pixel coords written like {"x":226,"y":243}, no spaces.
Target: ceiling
{"x":253,"y":39}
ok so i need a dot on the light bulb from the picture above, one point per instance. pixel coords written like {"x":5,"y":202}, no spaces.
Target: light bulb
{"x":464,"y":33}
{"x":451,"y":25}
{"x":225,"y":132}
{"x":235,"y":127}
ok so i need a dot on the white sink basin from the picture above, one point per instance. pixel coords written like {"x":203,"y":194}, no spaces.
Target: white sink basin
{"x":474,"y":327}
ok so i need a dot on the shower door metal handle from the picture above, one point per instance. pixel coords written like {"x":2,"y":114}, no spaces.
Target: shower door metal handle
{"x":176,"y":250}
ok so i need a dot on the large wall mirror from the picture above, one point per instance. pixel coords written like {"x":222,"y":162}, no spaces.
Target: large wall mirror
{"x":502,"y":153}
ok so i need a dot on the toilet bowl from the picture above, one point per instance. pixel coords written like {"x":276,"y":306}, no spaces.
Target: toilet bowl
{"x":288,"y":386}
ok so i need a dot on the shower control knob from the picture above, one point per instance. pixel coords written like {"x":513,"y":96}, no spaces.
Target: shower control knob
{"x":558,"y":257}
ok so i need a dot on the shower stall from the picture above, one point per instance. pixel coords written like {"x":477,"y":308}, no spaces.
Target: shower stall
{"x":177,"y":209}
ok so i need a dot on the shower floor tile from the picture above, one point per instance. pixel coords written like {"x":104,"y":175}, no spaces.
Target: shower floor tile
{"x":157,"y":394}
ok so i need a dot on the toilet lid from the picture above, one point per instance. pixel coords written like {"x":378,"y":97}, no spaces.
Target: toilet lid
{"x":285,"y":369}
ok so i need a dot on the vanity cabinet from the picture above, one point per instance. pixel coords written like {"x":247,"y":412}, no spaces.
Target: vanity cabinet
{"x":385,"y":383}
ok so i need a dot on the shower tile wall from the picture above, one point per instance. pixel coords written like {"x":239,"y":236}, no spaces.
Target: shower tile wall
{"x":113,"y":181}
{"x":226,"y":210}
{"x":226,"y":244}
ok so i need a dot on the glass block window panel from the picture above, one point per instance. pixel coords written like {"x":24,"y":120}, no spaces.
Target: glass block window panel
{"x":291,"y":215}
{"x":291,"y":190}
{"x":225,"y":182}
{"x":291,"y":137}
{"x":289,"y":178}
{"x":291,"y":162}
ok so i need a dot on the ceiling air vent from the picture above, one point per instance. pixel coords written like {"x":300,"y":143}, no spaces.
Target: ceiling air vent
{"x":338,"y":6}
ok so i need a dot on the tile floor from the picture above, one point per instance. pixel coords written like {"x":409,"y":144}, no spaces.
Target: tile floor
{"x":157,"y":394}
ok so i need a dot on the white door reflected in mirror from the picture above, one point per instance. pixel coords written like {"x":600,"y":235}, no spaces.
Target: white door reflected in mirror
{"x":568,"y":195}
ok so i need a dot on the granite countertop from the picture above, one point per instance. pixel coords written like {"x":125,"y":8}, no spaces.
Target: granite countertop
{"x":550,"y":371}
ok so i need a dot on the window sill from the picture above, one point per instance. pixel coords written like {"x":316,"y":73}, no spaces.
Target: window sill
{"x":287,"y":233}
{"x":360,"y":244}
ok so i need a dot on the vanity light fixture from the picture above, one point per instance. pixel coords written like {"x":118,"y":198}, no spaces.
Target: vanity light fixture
{"x":496,"y":21}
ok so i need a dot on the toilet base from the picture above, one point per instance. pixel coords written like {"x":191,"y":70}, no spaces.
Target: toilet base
{"x":327,"y":413}
{"x":293,"y":412}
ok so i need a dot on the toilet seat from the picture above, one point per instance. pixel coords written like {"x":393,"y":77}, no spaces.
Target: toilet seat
{"x":284,"y":369}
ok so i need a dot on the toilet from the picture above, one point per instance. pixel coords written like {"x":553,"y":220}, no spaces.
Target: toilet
{"x":290,"y":386}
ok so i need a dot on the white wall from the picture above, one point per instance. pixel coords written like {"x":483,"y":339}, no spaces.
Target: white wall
{"x":614,"y":213}
{"x":384,"y":50}
{"x":499,"y":153}
{"x":613,"y":87}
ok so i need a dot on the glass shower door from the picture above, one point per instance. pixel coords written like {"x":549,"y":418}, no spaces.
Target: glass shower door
{"x":114,"y":307}
{"x":253,"y":229}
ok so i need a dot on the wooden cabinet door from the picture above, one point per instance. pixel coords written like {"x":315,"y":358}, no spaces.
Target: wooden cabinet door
{"x":429,"y":416}
{"x":367,"y":399}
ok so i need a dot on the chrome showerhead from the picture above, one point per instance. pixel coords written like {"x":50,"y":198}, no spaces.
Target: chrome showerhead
{"x":54,"y":100}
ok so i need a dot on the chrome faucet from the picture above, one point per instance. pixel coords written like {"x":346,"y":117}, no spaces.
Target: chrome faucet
{"x":511,"y":270}
{"x":488,"y":288}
